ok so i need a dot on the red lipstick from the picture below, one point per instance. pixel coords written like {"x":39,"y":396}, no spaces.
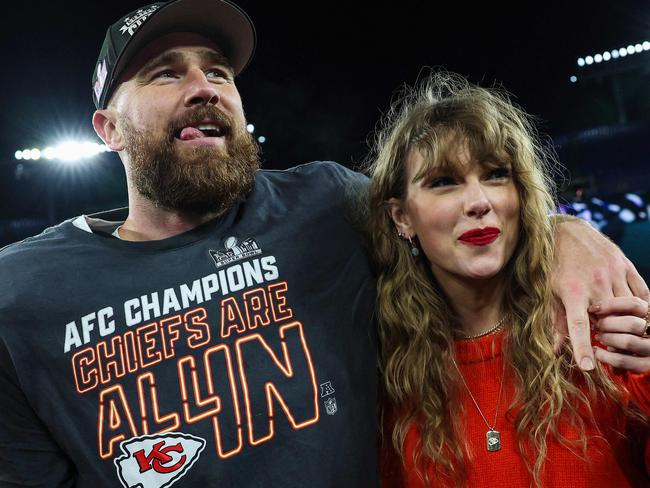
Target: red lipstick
{"x":480,"y":237}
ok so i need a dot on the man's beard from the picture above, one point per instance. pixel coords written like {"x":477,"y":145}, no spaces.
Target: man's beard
{"x":201,"y":179}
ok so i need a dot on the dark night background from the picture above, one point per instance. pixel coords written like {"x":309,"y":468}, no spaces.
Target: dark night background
{"x":321,"y":77}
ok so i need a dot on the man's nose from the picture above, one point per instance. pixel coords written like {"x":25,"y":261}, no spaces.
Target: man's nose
{"x":200,"y":90}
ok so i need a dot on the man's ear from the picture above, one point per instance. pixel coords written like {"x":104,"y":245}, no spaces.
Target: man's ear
{"x":105,"y":124}
{"x":400,"y":217}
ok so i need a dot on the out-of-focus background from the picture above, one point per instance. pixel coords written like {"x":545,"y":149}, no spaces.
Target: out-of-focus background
{"x":323,"y":74}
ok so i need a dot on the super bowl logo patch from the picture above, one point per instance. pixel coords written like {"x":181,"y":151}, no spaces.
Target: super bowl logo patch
{"x":234,"y":250}
{"x":157,"y":461}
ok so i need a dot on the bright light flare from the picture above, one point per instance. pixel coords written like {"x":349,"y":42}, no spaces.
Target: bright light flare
{"x":68,"y":151}
{"x":634,"y":198}
{"x":614,"y":54}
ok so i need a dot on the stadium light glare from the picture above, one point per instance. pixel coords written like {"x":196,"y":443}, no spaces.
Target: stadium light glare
{"x":614,"y":54}
{"x":573,"y":79}
{"x":49,"y":153}
{"x":627,"y":216}
{"x":261,"y":139}
{"x":67,"y":151}
{"x":250,"y":128}
{"x":634,"y":198}
{"x":613,"y":207}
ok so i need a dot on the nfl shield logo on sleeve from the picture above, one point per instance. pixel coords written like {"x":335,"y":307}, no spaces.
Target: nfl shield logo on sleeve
{"x":330,"y":406}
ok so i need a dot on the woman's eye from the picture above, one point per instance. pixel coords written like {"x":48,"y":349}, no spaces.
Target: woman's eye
{"x":499,"y":173}
{"x":441,"y":181}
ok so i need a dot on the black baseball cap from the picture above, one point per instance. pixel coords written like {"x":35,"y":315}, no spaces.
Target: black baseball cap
{"x":218,"y":20}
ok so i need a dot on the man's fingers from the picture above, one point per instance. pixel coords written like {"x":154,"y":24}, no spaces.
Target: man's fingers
{"x":635,"y":364}
{"x":622,"y":289}
{"x":620,"y":284}
{"x":579,"y":333}
{"x":636,"y":283}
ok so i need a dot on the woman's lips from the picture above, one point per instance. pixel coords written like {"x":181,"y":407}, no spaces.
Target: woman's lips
{"x":480,"y":237}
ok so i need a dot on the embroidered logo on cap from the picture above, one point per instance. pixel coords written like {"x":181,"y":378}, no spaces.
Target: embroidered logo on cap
{"x":101,"y":78}
{"x":157,"y":461}
{"x":131,"y":24}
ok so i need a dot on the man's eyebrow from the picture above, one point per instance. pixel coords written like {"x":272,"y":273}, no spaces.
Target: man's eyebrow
{"x":168,"y":58}
{"x":171,"y":58}
{"x":215,"y":57}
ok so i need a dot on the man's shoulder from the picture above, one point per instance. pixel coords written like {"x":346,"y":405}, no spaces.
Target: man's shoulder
{"x":316,"y":190}
{"x":318,"y":179}
{"x":36,"y":246}
{"x":331,"y":173}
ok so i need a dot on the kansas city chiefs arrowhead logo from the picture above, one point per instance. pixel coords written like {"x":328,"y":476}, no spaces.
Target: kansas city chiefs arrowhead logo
{"x":157,"y":461}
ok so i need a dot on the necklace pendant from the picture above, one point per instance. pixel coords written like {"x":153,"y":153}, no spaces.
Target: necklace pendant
{"x":492,"y":440}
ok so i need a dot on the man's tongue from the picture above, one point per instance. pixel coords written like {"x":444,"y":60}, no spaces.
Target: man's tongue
{"x":191,"y":133}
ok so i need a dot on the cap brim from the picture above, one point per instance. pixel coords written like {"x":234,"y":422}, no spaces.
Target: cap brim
{"x":224,"y":23}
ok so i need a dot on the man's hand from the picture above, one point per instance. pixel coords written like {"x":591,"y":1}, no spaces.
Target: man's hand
{"x":588,"y":268}
{"x":622,"y":325}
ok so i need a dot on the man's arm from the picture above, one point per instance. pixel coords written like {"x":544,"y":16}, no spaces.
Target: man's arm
{"x":588,"y":268}
{"x":28,"y":454}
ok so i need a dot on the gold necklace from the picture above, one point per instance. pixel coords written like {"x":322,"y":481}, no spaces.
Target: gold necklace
{"x":492,"y":436}
{"x":492,"y":329}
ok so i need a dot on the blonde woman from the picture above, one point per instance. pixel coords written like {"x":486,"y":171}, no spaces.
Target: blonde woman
{"x":474,"y":393}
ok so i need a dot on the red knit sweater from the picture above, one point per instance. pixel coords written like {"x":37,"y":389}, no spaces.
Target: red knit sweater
{"x":615,"y":461}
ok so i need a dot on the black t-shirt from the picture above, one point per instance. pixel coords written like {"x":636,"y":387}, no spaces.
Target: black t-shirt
{"x":241,"y":353}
